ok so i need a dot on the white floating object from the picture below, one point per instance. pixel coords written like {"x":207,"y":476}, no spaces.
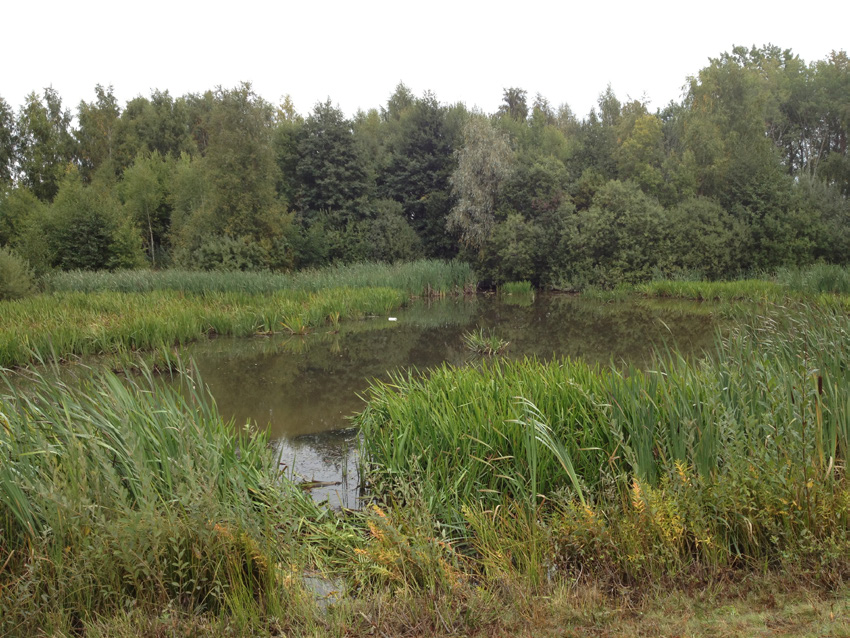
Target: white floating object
{"x":393,"y":319}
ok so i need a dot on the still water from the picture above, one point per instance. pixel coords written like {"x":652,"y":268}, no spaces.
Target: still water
{"x":304,"y":388}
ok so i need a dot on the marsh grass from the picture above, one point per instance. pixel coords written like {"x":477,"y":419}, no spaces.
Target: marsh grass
{"x":795,"y":283}
{"x":418,"y":278}
{"x":124,"y":492}
{"x":757,"y":290}
{"x":820,"y":278}
{"x":483,"y":342}
{"x":737,"y":459}
{"x":73,"y":324}
{"x":504,"y":495}
{"x":507,"y":497}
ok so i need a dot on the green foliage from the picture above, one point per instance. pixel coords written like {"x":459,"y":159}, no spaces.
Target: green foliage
{"x":517,"y":249}
{"x":761,"y":196}
{"x":827,"y":213}
{"x":44,"y":143}
{"x":84,"y":229}
{"x":7,"y":144}
{"x":160,"y":124}
{"x":16,"y":278}
{"x":618,"y":239}
{"x":144,"y":190}
{"x":96,"y":136}
{"x":640,"y":153}
{"x":225,"y":253}
{"x":514,"y":104}
{"x":18,"y":207}
{"x":759,"y":133}
{"x":385,"y":235}
{"x":419,"y":163}
{"x":228,"y":199}
{"x":329,"y":171}
{"x":537,"y":188}
{"x":703,"y":237}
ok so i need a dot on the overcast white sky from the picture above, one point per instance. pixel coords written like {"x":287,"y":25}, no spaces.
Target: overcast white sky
{"x":356,"y":52}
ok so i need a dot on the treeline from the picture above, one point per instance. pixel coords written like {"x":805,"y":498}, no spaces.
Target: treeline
{"x":749,"y":171}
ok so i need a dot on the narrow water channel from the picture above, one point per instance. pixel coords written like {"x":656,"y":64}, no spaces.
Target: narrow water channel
{"x":303,"y":389}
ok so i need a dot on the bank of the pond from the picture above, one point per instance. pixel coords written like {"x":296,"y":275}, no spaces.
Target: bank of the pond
{"x":109,"y":313}
{"x":67,"y":324}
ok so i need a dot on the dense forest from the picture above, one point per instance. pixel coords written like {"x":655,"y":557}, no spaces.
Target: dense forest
{"x":748,"y":172}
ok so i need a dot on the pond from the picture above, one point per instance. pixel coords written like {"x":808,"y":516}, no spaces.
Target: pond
{"x":304,"y":388}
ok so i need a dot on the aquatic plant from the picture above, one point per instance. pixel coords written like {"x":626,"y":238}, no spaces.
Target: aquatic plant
{"x":118,"y":492}
{"x":516,"y":288}
{"x":486,"y":343}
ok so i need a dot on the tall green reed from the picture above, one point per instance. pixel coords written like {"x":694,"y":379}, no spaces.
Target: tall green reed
{"x":759,"y":427}
{"x":119,"y":492}
{"x":423,"y":277}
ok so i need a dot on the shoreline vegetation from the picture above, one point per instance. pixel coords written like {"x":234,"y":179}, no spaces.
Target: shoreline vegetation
{"x":508,"y":497}
{"x":95,"y":313}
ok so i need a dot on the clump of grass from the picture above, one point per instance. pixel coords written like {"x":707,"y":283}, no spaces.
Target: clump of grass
{"x":295,"y":326}
{"x":484,"y":342}
{"x":333,"y":320}
{"x":516,"y":288}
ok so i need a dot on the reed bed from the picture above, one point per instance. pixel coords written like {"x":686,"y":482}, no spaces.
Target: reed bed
{"x":819,"y":278}
{"x":125,"y":503}
{"x":418,"y":278}
{"x":758,"y":290}
{"x":736,"y":459}
{"x":76,"y":323}
{"x":116,"y":494}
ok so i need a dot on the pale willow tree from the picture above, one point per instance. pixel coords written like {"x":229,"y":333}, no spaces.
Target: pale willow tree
{"x":484,"y":163}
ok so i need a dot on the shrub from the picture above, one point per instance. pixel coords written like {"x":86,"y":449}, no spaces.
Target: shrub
{"x":16,"y":279}
{"x":618,"y":239}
